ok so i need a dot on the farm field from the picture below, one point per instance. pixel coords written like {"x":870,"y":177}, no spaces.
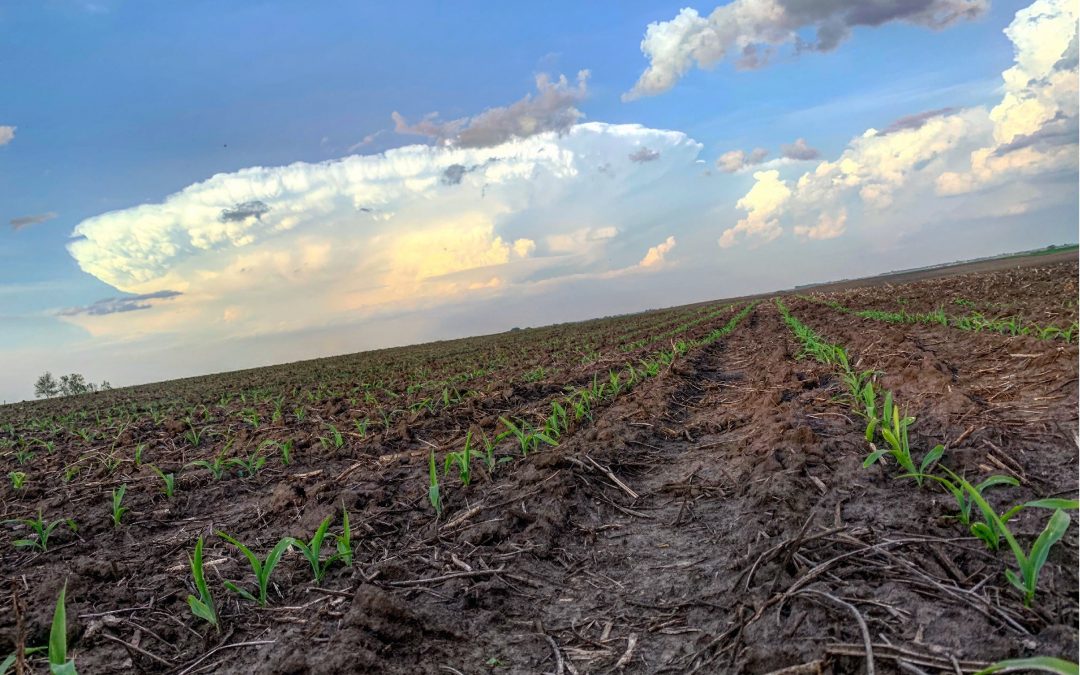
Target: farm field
{"x":734,"y":486}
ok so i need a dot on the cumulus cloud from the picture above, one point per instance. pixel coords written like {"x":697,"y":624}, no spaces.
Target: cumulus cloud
{"x":551,"y":109}
{"x":751,"y":30}
{"x":655,"y":255}
{"x":827,"y":227}
{"x":889,"y":176}
{"x":344,"y":240}
{"x":799,"y":151}
{"x":734,"y":160}
{"x":36,"y":219}
{"x":1035,"y":125}
{"x":644,"y":154}
{"x":762,"y":204}
{"x":130,"y":303}
{"x":6,"y":134}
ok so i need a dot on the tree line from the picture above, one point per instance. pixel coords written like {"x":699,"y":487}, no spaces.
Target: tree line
{"x":48,"y":386}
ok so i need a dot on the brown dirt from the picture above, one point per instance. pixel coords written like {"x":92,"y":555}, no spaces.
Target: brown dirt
{"x":716,"y":518}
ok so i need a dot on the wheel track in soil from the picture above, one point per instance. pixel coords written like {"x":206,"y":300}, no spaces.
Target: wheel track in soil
{"x":665,"y":562}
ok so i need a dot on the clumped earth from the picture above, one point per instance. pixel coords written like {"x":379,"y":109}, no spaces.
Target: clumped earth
{"x":714,"y":517}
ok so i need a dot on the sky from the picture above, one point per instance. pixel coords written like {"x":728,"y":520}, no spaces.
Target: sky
{"x":196,"y":187}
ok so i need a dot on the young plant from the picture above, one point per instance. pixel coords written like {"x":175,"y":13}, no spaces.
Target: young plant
{"x":42,"y":530}
{"x":344,"y":540}
{"x":462,"y":459}
{"x":433,"y":485}
{"x":118,"y":510}
{"x":138,"y":454}
{"x":18,"y":479}
{"x":216,"y":467}
{"x":334,"y":440}
{"x":1030,"y":563}
{"x":202,"y":606}
{"x":896,"y":435}
{"x":527,"y":437}
{"x":313,"y":551}
{"x":261,"y":568}
{"x":168,"y":479}
{"x":59,"y":663}
{"x":249,"y":465}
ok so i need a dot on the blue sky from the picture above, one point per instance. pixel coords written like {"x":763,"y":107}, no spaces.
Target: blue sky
{"x":115,"y":105}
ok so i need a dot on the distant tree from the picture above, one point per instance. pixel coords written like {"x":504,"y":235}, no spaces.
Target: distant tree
{"x":105,"y":386}
{"x":73,"y":384}
{"x":46,"y":386}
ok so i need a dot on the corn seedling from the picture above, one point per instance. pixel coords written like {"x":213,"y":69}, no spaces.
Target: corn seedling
{"x":462,"y":459}
{"x":23,"y":456}
{"x":217,"y":466}
{"x":361,"y":427}
{"x":334,"y":440}
{"x":312,"y":551}
{"x":527,"y":437}
{"x":118,"y":510}
{"x":896,"y":435}
{"x":138,"y":454}
{"x":42,"y":530}
{"x":249,"y":465}
{"x":194,"y":436}
{"x":433,"y":485}
{"x":169,"y":480}
{"x":18,"y":479}
{"x":261,"y":568}
{"x":344,"y":540}
{"x":964,"y":504}
{"x":59,"y":663}
{"x":1030,"y":563}
{"x":202,"y":606}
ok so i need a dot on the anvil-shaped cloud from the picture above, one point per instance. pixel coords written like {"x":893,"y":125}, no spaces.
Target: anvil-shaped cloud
{"x":315,"y":244}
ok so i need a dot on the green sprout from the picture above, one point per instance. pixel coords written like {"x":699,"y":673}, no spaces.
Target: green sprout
{"x":18,"y":479}
{"x":168,"y":479}
{"x":462,"y":459}
{"x":118,"y":511}
{"x":202,"y":606}
{"x":313,"y":551}
{"x":261,"y":569}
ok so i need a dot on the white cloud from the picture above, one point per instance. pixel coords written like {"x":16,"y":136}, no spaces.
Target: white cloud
{"x":655,"y":257}
{"x":1035,"y":125}
{"x":827,"y":227}
{"x":736,"y":160}
{"x":751,"y":30}
{"x":894,"y":179}
{"x":762,"y":204}
{"x":6,"y":134}
{"x":273,"y":249}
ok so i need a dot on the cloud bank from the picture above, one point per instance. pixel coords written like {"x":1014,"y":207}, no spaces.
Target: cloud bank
{"x":271,"y":249}
{"x":7,"y":134}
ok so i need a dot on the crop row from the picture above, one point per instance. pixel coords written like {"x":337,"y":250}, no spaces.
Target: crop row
{"x":974,"y":321}
{"x":888,"y":425}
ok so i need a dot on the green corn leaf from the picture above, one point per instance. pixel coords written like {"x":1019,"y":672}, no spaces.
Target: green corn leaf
{"x":1044,"y":664}
{"x":931,"y":457}
{"x":58,"y":660}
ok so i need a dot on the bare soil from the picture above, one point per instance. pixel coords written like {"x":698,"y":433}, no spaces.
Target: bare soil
{"x":715,"y":518}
